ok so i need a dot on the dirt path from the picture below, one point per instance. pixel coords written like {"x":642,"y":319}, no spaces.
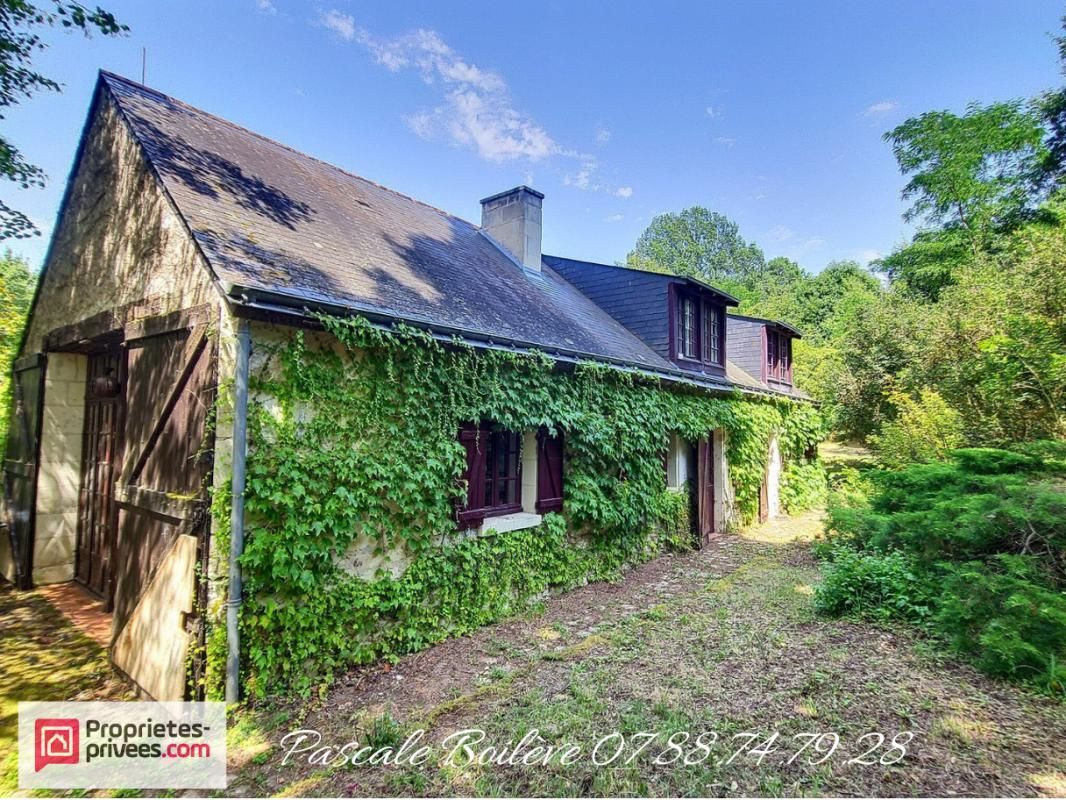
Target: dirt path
{"x":723,"y":641}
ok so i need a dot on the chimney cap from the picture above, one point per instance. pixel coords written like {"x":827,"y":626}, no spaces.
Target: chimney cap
{"x":515,"y":190}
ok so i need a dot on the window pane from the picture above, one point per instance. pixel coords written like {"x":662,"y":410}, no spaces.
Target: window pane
{"x":503,"y":460}
{"x":687,"y":334}
{"x":711,"y":347}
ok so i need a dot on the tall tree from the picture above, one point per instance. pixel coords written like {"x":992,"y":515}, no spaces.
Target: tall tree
{"x":974,"y":171}
{"x":21,"y":24}
{"x":696,"y":242}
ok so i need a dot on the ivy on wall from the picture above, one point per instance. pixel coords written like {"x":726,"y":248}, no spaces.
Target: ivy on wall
{"x":353,"y":441}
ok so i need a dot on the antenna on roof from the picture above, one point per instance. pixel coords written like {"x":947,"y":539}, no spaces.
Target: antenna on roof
{"x":144,"y":63}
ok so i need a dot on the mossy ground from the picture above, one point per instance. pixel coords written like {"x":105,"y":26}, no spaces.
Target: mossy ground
{"x":43,"y":657}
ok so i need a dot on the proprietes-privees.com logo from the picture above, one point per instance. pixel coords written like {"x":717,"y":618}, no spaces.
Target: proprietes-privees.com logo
{"x":122,"y":745}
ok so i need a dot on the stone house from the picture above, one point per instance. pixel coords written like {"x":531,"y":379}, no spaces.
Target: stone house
{"x":184,"y":240}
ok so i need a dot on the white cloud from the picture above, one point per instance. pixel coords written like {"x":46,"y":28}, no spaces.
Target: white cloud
{"x":614,"y":218}
{"x":475,"y":109}
{"x":882,"y":107}
{"x":727,"y":141}
{"x":624,"y":192}
{"x":265,"y":7}
{"x":781,"y":233}
{"x":866,"y":256}
{"x":712,"y":113}
{"x":582,"y":179}
{"x":341,"y":24}
{"x":421,"y":124}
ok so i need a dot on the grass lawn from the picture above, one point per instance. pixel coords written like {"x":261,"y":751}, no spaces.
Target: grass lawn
{"x":720,"y":641}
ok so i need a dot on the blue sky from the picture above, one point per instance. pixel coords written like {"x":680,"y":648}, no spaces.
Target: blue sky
{"x":769,"y":112}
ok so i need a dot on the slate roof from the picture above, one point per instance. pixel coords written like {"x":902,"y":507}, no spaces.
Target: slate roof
{"x":274,"y":222}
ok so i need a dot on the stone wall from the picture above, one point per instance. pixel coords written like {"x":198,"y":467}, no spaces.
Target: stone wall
{"x":119,"y":245}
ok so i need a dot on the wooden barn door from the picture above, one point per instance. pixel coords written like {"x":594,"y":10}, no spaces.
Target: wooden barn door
{"x":20,"y":462}
{"x":161,"y":489}
{"x":100,"y":462}
{"x":162,"y":496}
{"x":705,"y":486}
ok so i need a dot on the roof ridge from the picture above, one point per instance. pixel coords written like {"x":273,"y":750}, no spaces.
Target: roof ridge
{"x":282,"y":145}
{"x":667,"y":275}
{"x":616,"y":266}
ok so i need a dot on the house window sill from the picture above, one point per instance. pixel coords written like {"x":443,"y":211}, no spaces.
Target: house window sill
{"x":510,"y":522}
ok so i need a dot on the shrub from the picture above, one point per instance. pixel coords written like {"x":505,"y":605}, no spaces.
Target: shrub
{"x":880,"y":586}
{"x":1002,"y":614}
{"x":925,"y":429}
{"x":973,"y":549}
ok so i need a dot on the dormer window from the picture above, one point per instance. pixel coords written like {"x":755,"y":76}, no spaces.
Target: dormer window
{"x":778,"y":356}
{"x":698,"y":331}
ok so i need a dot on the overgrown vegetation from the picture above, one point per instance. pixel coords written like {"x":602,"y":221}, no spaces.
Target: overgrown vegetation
{"x":973,"y":550}
{"x":354,"y":442}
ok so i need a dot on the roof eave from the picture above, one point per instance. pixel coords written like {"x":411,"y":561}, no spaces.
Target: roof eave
{"x":247,"y":300}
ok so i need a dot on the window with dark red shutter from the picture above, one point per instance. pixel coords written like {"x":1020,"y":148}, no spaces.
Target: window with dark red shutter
{"x":697,"y":330}
{"x":493,"y":473}
{"x":549,"y":472}
{"x":472,"y":513}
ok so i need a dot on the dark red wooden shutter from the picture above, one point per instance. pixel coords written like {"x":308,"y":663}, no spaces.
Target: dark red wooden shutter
{"x":549,"y":472}
{"x":474,"y":441}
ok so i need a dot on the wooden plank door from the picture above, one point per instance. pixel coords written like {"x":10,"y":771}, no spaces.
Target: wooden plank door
{"x":705,"y":487}
{"x":20,"y":463}
{"x":101,"y":453}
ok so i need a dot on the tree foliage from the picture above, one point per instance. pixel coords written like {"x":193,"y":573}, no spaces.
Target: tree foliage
{"x":21,"y":26}
{"x":16,"y":293}
{"x":698,"y":243}
{"x":975,"y":171}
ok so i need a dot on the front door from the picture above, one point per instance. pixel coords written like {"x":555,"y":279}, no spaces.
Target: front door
{"x":705,"y":487}
{"x":101,"y":451}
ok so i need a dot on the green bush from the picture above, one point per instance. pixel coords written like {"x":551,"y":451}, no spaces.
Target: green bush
{"x":925,"y":429}
{"x":881,"y":586}
{"x":1004,"y":615}
{"x":974,"y":549}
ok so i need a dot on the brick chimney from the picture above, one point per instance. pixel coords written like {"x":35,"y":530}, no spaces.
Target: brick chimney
{"x":512,"y":218}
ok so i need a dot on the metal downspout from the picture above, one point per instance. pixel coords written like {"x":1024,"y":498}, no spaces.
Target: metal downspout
{"x":236,"y":542}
